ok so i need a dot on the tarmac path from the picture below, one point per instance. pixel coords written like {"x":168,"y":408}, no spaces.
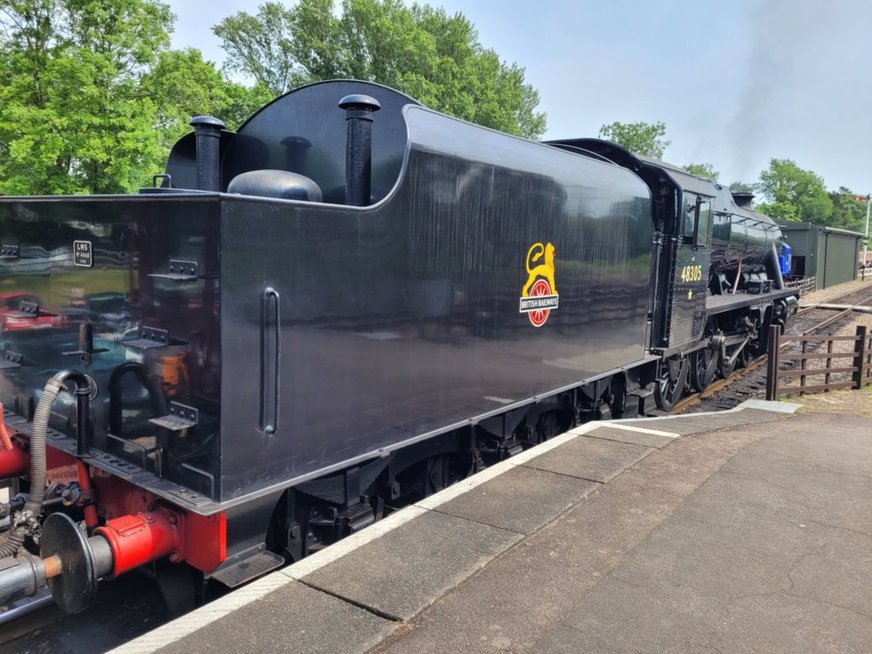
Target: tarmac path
{"x":743,"y":539}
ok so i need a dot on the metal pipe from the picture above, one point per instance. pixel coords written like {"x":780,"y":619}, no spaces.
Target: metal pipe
{"x":40,"y":601}
{"x":83,"y":421}
{"x":83,"y":408}
{"x":358,"y":150}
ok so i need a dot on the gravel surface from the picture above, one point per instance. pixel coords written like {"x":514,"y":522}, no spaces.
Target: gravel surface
{"x":858,"y":403}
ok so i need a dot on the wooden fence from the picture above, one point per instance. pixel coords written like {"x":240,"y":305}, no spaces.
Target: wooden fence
{"x":822,"y":364}
{"x":803,"y":284}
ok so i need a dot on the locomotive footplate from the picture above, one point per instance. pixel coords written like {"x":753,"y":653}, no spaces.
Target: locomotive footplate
{"x":716,"y":304}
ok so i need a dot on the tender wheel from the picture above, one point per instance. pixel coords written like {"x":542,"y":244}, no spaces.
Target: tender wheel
{"x":703,"y":368}
{"x":427,"y":477}
{"x":442,"y":471}
{"x":670,"y":382}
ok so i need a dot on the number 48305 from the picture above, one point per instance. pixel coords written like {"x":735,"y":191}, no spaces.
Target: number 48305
{"x":691,"y":273}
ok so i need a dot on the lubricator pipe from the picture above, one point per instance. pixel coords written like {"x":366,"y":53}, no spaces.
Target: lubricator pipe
{"x":86,"y":487}
{"x":26,"y":519}
{"x":358,"y":150}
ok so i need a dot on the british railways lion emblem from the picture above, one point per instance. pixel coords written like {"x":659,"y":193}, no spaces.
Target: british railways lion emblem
{"x":539,"y":295}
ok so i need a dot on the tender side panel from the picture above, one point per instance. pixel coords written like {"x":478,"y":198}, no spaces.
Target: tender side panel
{"x":405,"y":319}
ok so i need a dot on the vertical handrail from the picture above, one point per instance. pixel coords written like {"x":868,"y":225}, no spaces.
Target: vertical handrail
{"x":269,"y":420}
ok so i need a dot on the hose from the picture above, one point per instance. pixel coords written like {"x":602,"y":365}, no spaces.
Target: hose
{"x":11,"y":542}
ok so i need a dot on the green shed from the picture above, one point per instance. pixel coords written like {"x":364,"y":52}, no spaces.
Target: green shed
{"x":830,"y":255}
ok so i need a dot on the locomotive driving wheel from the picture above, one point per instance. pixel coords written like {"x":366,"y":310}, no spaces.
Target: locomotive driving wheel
{"x":703,"y":364}
{"x":670,"y":382}
{"x":703,"y":368}
{"x":750,"y":352}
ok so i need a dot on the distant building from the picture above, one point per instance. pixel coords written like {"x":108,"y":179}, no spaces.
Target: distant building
{"x":831,"y":255}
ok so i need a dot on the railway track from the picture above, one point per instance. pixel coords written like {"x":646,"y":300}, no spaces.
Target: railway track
{"x":750,"y":381}
{"x":126,"y":608}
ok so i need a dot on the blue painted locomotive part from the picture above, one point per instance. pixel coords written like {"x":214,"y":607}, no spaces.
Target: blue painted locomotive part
{"x":785,"y":258}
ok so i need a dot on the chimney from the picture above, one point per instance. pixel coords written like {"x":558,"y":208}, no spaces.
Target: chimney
{"x":743,"y":199}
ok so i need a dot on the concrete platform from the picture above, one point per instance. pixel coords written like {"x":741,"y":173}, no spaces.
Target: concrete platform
{"x":613,"y":537}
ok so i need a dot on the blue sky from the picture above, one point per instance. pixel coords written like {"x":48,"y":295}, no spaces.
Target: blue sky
{"x":736,"y":82}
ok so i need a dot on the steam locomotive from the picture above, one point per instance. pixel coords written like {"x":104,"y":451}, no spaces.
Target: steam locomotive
{"x":346,"y":305}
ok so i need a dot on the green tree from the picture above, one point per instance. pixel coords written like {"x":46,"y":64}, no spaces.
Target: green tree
{"x":645,"y":139}
{"x":71,"y":119}
{"x":848,"y":213}
{"x":257,"y":45}
{"x":792,"y":193}
{"x":182,"y":84}
{"x":702,"y":170}
{"x":91,"y":98}
{"x":420,"y":50}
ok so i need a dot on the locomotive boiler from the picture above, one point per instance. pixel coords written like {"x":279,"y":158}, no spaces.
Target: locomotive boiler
{"x":346,"y":305}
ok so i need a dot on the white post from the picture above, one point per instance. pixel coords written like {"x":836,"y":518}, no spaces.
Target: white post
{"x":866,"y":242}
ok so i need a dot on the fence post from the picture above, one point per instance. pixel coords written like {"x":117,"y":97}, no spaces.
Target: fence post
{"x":860,"y":356}
{"x":772,"y":362}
